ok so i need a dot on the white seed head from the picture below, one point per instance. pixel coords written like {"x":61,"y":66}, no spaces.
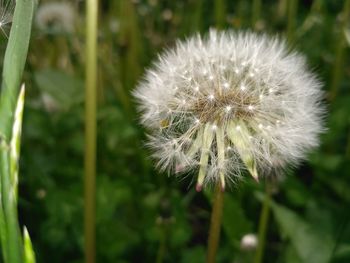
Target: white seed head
{"x":262,"y":100}
{"x":249,"y":242}
{"x":57,"y":17}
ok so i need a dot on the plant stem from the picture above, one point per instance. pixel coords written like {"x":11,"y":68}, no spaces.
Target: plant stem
{"x":215,"y":224}
{"x":220,"y":13}
{"x":340,"y":53}
{"x":264,"y":218}
{"x":90,"y":129}
{"x":256,"y":8}
{"x":292,"y":14}
{"x":162,"y":244}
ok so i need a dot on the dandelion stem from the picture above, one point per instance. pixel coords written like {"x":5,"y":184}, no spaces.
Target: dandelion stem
{"x":292,"y":14}
{"x":90,"y":129}
{"x":215,"y":224}
{"x":162,"y":244}
{"x":220,"y":13}
{"x":264,"y":218}
{"x":340,"y":53}
{"x":256,"y":8}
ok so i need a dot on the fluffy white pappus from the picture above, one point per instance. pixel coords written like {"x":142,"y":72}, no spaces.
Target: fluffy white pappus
{"x":56,"y":17}
{"x":229,"y":102}
{"x":6,"y":12}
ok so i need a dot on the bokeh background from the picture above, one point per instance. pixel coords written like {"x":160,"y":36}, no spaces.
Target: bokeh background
{"x":145,"y":216}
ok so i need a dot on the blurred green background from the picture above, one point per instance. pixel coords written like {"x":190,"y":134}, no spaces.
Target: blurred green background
{"x":142,"y":214}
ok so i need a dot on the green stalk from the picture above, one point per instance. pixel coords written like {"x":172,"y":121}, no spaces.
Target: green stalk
{"x":90,"y":130}
{"x":215,"y":224}
{"x":264,"y":218}
{"x":340,"y":53}
{"x":281,"y":9}
{"x":11,"y":108}
{"x":292,"y":15}
{"x":220,"y":13}
{"x":162,"y":243}
{"x":256,"y":11}
{"x":197,"y":16}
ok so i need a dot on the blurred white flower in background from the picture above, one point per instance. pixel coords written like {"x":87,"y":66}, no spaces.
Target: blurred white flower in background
{"x":56,"y":17}
{"x":229,"y":102}
{"x":249,"y":242}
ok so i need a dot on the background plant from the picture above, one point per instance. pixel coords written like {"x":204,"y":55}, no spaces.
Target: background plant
{"x":14,"y":248}
{"x":137,"y":209}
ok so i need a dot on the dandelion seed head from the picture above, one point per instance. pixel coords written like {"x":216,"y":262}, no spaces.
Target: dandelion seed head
{"x":251,"y":104}
{"x":249,"y":242}
{"x":56,"y":17}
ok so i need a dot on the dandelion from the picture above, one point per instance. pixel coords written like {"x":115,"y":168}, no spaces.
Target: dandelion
{"x":56,"y":17}
{"x":6,"y":12}
{"x":249,"y":242}
{"x":230,"y":102}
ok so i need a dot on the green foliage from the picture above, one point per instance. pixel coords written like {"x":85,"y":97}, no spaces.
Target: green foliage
{"x":141,"y":212}
{"x":11,"y":111}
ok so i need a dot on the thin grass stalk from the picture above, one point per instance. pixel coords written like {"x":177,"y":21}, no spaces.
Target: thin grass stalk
{"x":282,"y":8}
{"x":197,"y":22}
{"x":90,"y":130}
{"x":263,"y":222}
{"x":215,"y":224}
{"x":256,"y":12}
{"x":220,"y":7}
{"x":292,"y":17}
{"x":340,"y":53}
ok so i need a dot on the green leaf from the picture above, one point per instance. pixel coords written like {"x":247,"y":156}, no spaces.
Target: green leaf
{"x":29,"y":256}
{"x":63,"y":89}
{"x":16,"y":141}
{"x":235,"y":223}
{"x":309,"y":241}
{"x":14,"y":61}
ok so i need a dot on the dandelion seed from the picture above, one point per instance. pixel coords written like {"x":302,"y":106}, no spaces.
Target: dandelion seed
{"x":224,"y":143}
{"x":211,"y":97}
{"x":228,"y":109}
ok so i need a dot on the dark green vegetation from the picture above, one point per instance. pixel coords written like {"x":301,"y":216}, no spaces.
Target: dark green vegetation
{"x":143,"y":215}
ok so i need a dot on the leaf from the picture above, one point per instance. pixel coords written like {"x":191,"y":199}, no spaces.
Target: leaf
{"x":235,"y":223}
{"x":29,"y":256}
{"x":310,"y":242}
{"x":63,"y":89}
{"x":14,"y":61}
{"x":16,"y":141}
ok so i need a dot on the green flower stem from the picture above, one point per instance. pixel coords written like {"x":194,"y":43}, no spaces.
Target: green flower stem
{"x":220,"y":13}
{"x":162,"y":243}
{"x":215,"y":224}
{"x":264,"y":218}
{"x":292,"y":15}
{"x":90,"y":129}
{"x":256,"y":10}
{"x":340,"y":53}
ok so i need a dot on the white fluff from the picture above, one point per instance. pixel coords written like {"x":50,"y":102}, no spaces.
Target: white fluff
{"x":230,"y":101}
{"x":56,"y":16}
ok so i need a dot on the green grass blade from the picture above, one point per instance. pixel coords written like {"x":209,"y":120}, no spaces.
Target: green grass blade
{"x":15,"y":57}
{"x":29,"y":256}
{"x":14,"y":61}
